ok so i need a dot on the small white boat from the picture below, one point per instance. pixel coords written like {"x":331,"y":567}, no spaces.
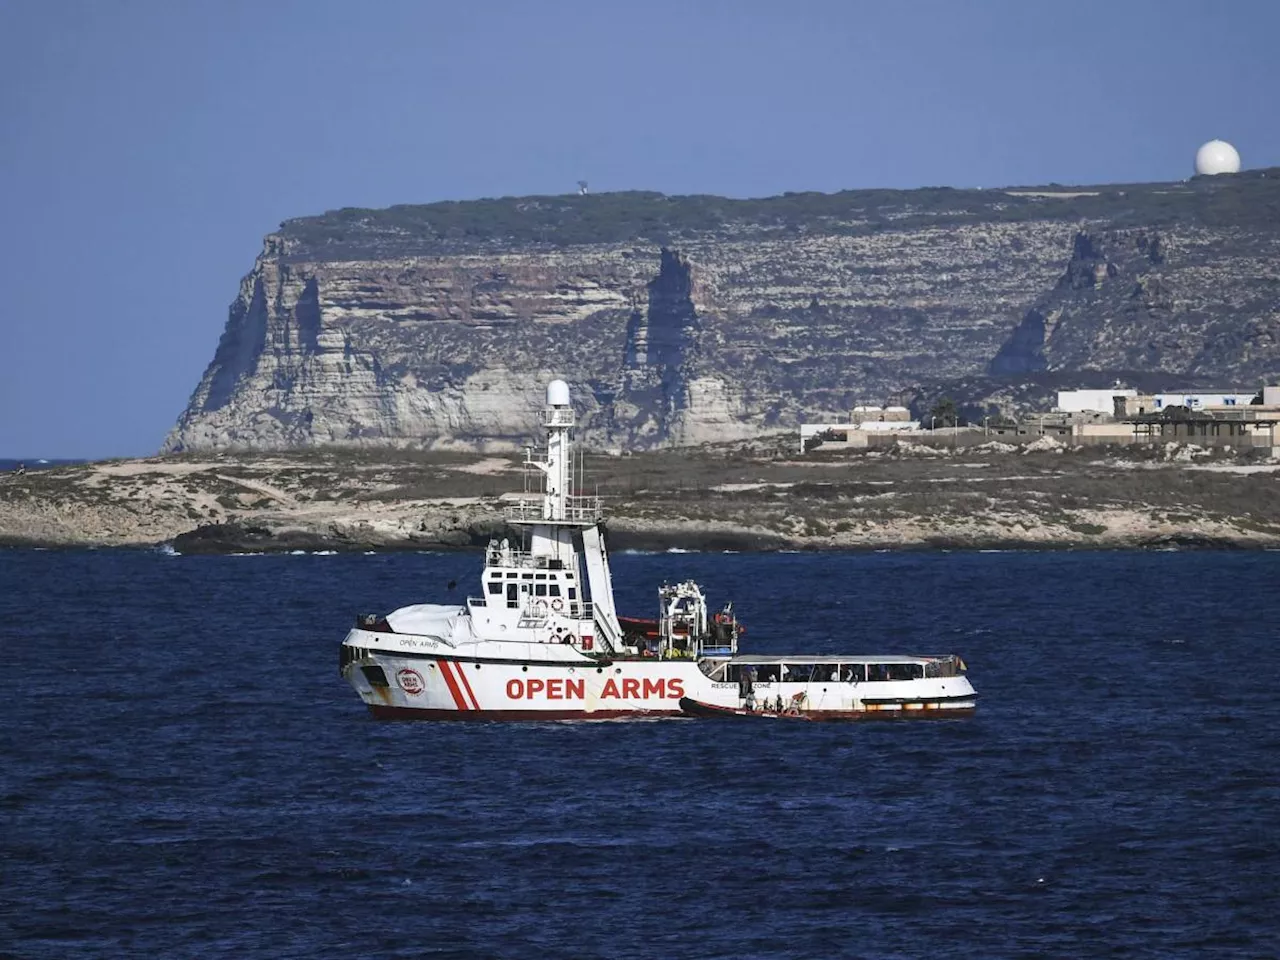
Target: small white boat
{"x":542,"y":640}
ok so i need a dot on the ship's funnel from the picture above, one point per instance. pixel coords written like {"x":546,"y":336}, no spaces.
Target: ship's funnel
{"x":557,"y":394}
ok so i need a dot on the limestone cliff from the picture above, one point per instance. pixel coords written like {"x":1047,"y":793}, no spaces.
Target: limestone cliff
{"x":681,"y":320}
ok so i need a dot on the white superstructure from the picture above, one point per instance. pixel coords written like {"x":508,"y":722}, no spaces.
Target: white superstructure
{"x":543,"y":641}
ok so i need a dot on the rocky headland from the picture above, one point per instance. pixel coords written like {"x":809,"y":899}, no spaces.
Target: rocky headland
{"x":683,"y":320}
{"x":732,"y":496}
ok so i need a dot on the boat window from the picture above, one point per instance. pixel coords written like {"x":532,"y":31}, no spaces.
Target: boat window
{"x":526,"y":576}
{"x":941,"y":668}
{"x":540,"y":589}
{"x":767,"y":672}
{"x":906,"y":671}
{"x":554,"y":589}
{"x":511,"y":594}
{"x":573,"y":593}
{"x":495,"y":587}
{"x":716,"y":671}
{"x":540,"y":576}
{"x":853,"y":672}
{"x":797,"y":672}
{"x":510,"y":575}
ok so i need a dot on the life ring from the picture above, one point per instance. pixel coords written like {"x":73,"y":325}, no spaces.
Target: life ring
{"x":557,"y":604}
{"x":540,"y":608}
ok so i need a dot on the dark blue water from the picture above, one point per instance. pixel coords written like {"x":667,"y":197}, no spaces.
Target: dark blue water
{"x":184,"y":774}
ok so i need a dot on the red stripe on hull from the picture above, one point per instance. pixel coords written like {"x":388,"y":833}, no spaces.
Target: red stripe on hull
{"x":385,"y":712}
{"x":447,"y":673}
{"x":471,"y":695}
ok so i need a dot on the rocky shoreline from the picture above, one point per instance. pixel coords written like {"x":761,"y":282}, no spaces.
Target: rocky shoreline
{"x":716,"y":498}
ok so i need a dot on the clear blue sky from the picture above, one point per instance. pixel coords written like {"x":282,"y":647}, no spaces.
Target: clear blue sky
{"x":146,"y":147}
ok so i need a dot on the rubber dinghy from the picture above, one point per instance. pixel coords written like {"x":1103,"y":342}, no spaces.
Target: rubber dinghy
{"x":696,"y":708}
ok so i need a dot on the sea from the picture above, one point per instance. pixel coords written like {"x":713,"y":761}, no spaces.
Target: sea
{"x":184,"y":774}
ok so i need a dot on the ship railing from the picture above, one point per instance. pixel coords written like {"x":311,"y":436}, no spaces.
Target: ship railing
{"x":557,"y":417}
{"x":495,"y":556}
{"x":537,"y":613}
{"x":576,"y":510}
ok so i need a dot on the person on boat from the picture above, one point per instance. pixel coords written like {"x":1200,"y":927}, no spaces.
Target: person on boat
{"x":747,"y":689}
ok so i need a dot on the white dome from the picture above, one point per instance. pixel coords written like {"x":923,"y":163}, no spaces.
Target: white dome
{"x":557,"y":394}
{"x":1217,"y":156}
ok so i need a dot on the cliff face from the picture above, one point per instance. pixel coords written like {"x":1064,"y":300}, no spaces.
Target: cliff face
{"x":1194,"y":302}
{"x":682,"y":320}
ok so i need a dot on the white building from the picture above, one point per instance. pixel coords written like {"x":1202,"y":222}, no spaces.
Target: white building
{"x":1197,"y":401}
{"x":1091,"y":401}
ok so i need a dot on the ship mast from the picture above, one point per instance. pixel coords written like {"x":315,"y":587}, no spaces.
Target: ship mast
{"x":558,"y":419}
{"x":553,"y":521}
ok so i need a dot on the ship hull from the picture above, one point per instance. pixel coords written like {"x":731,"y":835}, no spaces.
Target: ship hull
{"x":382,"y":712}
{"x":906,"y":711}
{"x":403,"y":677}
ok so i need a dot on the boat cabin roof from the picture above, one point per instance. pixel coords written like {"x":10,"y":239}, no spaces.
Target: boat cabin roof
{"x":843,"y":658}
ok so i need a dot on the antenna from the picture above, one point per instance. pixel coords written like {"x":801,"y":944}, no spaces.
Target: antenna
{"x":582,"y":188}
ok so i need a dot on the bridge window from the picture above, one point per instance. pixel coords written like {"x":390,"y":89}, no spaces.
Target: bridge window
{"x":853,"y":672}
{"x":554,"y":589}
{"x":495,"y":586}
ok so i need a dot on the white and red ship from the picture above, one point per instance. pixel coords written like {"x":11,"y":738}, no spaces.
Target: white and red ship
{"x":543,"y":641}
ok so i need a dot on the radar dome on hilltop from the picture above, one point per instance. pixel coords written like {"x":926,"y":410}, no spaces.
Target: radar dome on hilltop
{"x":1217,"y":156}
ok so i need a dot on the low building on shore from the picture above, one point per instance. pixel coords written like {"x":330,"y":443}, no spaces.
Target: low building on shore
{"x":1091,"y":401}
{"x":1138,"y":404}
{"x":864,"y":423}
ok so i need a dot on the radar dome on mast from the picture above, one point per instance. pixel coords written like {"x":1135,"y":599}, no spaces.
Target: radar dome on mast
{"x":1217,"y":156}
{"x":558,"y":394}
